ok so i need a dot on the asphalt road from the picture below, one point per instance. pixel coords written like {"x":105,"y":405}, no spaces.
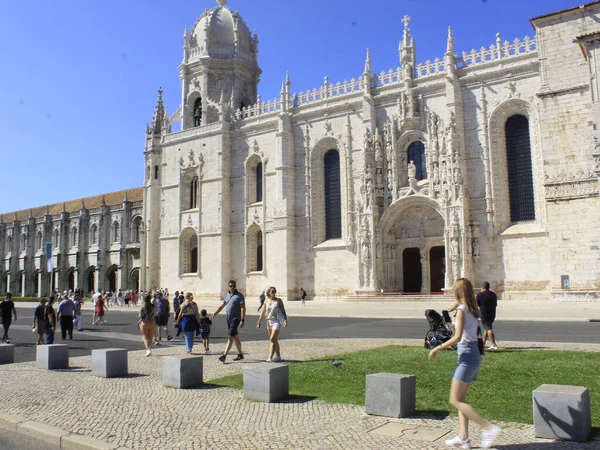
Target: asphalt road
{"x":11,"y":440}
{"x":121,"y":331}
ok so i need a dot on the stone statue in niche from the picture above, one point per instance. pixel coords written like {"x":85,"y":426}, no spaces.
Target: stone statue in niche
{"x":475,"y":247}
{"x":412,"y":170}
{"x":403,"y":233}
{"x":436,"y":174}
{"x":367,"y":141}
{"x":389,"y":180}
{"x":378,"y":151}
{"x":368,"y":194}
{"x":457,"y":176}
{"x":379,"y":176}
{"x":455,"y":256}
{"x":191,"y":158}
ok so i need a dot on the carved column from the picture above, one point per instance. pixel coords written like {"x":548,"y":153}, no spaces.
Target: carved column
{"x":119,"y":277}
{"x":39,"y":283}
{"x":424,"y":267}
{"x":97,"y":280}
{"x":23,"y":284}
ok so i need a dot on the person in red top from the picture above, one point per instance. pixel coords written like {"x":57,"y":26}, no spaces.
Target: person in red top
{"x":99,"y":310}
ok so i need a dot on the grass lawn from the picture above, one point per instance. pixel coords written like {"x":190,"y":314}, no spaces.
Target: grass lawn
{"x":502,"y":392}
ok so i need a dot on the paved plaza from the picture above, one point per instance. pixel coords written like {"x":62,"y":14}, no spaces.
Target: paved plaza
{"x":137,"y":412}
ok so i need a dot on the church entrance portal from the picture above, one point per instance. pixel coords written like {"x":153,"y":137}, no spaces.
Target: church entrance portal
{"x":437,"y":267}
{"x":411,"y":262}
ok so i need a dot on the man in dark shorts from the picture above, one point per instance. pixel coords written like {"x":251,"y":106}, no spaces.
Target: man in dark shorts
{"x":162,"y":318}
{"x":236,"y":313}
{"x":488,"y":302}
{"x":8,"y":310}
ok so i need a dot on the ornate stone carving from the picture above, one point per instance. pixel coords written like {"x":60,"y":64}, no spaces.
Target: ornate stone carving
{"x":567,"y":186}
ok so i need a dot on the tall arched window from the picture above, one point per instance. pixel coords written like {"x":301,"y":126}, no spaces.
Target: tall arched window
{"x":137,"y":230}
{"x":520,"y":173}
{"x":197,"y":112}
{"x":254,"y":249}
{"x":74,"y":237}
{"x":156,"y":172}
{"x":194,"y":260}
{"x":23,"y":242}
{"x":116,"y":232}
{"x":333,"y":198}
{"x":259,"y":182}
{"x":259,"y":251}
{"x":189,"y":251}
{"x":416,"y":153}
{"x":56,"y":238}
{"x":94,"y":234}
{"x":194,"y":192}
{"x":40,"y":240}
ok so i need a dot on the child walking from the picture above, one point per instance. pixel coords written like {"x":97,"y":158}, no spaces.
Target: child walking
{"x":205,"y":324}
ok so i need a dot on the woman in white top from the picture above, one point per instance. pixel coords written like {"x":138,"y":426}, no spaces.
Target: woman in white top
{"x":274,"y":311}
{"x":469,"y":361}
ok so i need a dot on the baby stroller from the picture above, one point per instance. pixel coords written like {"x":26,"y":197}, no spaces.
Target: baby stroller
{"x":440,"y":329}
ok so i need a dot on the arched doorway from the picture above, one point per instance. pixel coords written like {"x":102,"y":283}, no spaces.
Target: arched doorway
{"x":412,"y":270}
{"x":35,"y":283}
{"x":71,"y":280}
{"x":412,"y":246}
{"x":91,"y":279}
{"x":437,"y":267}
{"x":111,"y":278}
{"x":135,"y":279}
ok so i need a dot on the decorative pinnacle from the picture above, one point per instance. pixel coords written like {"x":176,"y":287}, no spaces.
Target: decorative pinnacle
{"x":368,"y":62}
{"x":450,"y":45}
{"x":221,"y":2}
{"x":406,"y":36}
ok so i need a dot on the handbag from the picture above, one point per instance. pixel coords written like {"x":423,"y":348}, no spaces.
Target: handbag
{"x":480,"y":344}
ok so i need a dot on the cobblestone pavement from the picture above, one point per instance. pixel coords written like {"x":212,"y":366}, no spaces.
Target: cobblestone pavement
{"x":139,"y":413}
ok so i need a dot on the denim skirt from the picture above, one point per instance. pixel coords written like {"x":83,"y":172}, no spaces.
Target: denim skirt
{"x":469,"y":361}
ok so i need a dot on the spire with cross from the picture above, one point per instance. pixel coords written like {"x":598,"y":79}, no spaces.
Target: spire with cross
{"x":221,"y":2}
{"x":406,"y":37}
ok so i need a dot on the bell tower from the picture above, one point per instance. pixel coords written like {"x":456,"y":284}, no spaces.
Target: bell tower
{"x":220,"y":60}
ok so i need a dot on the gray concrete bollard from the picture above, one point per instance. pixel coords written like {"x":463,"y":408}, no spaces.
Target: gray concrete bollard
{"x":267,"y":382}
{"x":109,"y":362}
{"x":562,"y":412}
{"x":390,"y":394}
{"x":7,"y":353}
{"x":183,"y":371}
{"x":52,"y":356}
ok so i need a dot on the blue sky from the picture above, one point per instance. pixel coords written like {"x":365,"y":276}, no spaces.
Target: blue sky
{"x":79,"y":77}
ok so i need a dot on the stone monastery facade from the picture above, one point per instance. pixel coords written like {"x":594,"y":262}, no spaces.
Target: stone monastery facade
{"x":482,"y":164}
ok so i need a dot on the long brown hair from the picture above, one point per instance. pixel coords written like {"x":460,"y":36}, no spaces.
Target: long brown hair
{"x":463,"y":293}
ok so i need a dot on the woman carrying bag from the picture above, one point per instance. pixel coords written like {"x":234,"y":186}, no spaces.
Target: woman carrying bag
{"x":188,"y":321}
{"x":274,"y":311}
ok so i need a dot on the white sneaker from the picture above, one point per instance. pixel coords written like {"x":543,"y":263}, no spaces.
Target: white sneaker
{"x":277,"y":359}
{"x":268,"y":360}
{"x":493,"y":347}
{"x":457,"y":442}
{"x":148,"y":352}
{"x":488,"y":437}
